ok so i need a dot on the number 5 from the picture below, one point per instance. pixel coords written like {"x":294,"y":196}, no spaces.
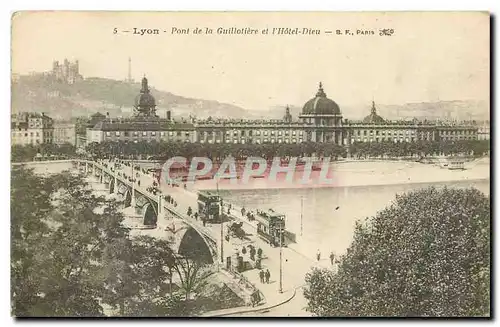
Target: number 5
{"x":115,"y":30}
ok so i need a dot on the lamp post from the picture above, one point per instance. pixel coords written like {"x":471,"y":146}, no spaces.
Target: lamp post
{"x":221,"y":211}
{"x":281,"y":258}
{"x":132,"y":200}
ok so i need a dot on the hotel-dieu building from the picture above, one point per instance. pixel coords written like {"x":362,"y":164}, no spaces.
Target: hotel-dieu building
{"x":321,"y":120}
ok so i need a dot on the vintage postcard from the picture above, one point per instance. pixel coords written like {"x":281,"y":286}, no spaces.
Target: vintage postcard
{"x":250,"y":164}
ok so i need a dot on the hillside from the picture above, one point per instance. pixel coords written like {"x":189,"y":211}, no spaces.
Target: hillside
{"x":40,"y":93}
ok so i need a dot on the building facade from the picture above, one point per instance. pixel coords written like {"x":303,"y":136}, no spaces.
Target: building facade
{"x":64,"y":133}
{"x":31,"y":128}
{"x":321,"y":120}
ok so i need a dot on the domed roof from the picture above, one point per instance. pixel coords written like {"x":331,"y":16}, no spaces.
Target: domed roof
{"x":321,"y":105}
{"x":144,"y":98}
{"x":373,"y":118}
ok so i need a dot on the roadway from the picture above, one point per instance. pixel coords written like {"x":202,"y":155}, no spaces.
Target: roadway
{"x":295,"y":264}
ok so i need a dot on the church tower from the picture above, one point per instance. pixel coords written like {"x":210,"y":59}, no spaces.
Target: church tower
{"x":145,"y":104}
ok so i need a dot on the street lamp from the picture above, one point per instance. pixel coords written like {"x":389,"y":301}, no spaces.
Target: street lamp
{"x":281,"y":256}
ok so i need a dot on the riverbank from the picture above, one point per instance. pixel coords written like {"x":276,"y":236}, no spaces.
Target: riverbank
{"x":361,"y":173}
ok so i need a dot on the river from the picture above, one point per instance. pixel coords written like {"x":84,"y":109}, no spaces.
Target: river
{"x":329,"y":214}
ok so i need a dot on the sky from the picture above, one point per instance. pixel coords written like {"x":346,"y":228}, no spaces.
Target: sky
{"x":429,"y":57}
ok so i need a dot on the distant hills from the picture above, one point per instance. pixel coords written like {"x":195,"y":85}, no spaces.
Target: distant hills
{"x":40,"y":93}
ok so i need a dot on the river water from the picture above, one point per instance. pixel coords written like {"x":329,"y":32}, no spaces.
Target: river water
{"x":329,"y":214}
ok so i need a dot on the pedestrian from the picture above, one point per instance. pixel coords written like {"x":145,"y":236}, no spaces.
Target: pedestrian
{"x":332,"y":257}
{"x":268,"y":276}
{"x":318,"y":255}
{"x":261,"y":275}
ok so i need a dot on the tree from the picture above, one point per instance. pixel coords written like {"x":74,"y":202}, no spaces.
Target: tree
{"x":193,"y":275}
{"x":71,"y":255}
{"x":428,"y":254}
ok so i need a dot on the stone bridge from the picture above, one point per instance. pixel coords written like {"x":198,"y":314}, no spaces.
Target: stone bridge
{"x":190,"y":239}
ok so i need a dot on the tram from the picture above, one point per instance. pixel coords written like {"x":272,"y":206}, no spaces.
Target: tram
{"x":271,"y":226}
{"x":209,"y":206}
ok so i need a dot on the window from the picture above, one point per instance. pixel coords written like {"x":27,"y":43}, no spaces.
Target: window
{"x":265,"y":133}
{"x":242,"y":133}
{"x":37,"y":134}
{"x":162,"y":133}
{"x":135,"y":134}
{"x":153,"y":133}
{"x":280,"y":133}
{"x":171,"y":133}
{"x":144,"y":133}
{"x":178,"y":133}
{"x":287,"y":133}
{"x":257,"y":133}
{"x":272,"y":133}
{"x":294,"y":140}
{"x":117,"y":133}
{"x":301,"y":140}
{"x":108,"y":133}
{"x":125,"y":133}
{"x":365,"y":133}
{"x":235,"y":133}
{"x":187,"y":133}
{"x":31,"y":133}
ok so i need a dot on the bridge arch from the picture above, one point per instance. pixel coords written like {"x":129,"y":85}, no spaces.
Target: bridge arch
{"x":193,"y":244}
{"x":127,"y":198}
{"x":149,"y":214}
{"x":112,"y":185}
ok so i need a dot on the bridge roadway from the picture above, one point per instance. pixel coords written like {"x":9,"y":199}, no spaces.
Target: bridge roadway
{"x":180,"y":211}
{"x":295,"y":264}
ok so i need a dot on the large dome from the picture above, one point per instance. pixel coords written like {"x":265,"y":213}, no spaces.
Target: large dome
{"x":145,"y":100}
{"x":321,"y":105}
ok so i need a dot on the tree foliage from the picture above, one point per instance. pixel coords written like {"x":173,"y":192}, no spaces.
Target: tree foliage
{"x":20,"y":153}
{"x":428,"y":254}
{"x":218,"y":151}
{"x":71,"y":255}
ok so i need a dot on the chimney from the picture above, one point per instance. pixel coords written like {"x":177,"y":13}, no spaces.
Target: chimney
{"x":169,"y":115}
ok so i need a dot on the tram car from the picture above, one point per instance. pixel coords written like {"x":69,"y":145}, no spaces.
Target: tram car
{"x":270,"y":227}
{"x":209,"y":206}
